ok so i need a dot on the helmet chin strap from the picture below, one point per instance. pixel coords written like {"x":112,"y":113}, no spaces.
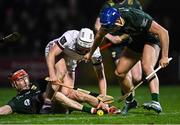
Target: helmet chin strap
{"x":80,"y":50}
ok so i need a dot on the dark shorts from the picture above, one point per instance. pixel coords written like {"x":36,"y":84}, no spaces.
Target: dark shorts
{"x":139,"y":41}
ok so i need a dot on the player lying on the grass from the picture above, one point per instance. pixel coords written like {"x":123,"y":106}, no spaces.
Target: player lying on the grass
{"x":71,"y":47}
{"x":147,"y":39}
{"x":29,"y":98}
{"x":135,"y":74}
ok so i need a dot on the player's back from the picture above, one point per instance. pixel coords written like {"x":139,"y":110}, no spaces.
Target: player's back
{"x":126,"y":3}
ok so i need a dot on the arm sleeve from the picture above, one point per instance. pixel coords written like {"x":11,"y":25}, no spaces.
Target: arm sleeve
{"x":67,"y":38}
{"x":12,"y":104}
{"x":142,"y":20}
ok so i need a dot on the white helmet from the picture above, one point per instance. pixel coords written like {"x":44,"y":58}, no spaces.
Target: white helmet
{"x":85,"y":38}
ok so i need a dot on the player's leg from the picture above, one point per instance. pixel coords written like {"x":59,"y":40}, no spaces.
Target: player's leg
{"x":82,"y":97}
{"x":148,"y":63}
{"x":134,"y":75}
{"x":116,"y":52}
{"x":136,"y":72}
{"x":61,"y":70}
{"x":72,"y":104}
{"x":127,"y":60}
{"x":68,"y":80}
{"x":75,"y":95}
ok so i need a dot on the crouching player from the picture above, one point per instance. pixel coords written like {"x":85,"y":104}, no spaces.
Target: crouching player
{"x":71,"y":47}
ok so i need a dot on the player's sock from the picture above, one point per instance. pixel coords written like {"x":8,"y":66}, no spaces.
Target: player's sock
{"x":130,"y":98}
{"x":88,"y":109}
{"x":155,"y":97}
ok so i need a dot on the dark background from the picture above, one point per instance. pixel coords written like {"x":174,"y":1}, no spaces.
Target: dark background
{"x":40,"y":21}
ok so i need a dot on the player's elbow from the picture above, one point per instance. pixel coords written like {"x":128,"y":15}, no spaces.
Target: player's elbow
{"x":166,"y":32}
{"x":96,"y":27}
{"x":163,"y":32}
{"x":97,"y":24}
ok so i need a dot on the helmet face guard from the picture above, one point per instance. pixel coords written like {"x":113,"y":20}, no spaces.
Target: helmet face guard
{"x":108,"y":17}
{"x":17,"y":76}
{"x":84,"y":40}
{"x":81,"y":50}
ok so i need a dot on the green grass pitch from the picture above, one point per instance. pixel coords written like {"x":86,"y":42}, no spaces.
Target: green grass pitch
{"x":169,"y":98}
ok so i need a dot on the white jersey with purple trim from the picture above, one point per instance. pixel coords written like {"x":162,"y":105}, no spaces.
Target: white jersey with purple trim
{"x":67,"y":42}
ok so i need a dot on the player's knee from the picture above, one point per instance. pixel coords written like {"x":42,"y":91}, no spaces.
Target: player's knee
{"x":147,"y":68}
{"x":120,"y":74}
{"x":66,"y":92}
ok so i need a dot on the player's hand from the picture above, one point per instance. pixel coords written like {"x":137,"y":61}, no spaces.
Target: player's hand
{"x":52,"y":78}
{"x":87,"y":57}
{"x":164,"y":62}
{"x":103,"y":106}
{"x":114,"y":110}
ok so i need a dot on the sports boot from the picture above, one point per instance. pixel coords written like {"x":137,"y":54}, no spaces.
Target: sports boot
{"x":128,"y":106}
{"x":153,"y":105}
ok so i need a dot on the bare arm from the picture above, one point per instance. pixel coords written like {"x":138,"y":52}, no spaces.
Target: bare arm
{"x":98,"y":38}
{"x":5,"y":110}
{"x":116,"y":39}
{"x":50,"y":60}
{"x":164,"y":40}
{"x":99,"y":69}
{"x":97,"y":24}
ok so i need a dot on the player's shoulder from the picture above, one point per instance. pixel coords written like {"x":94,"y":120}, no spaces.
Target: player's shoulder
{"x":71,"y":34}
{"x":140,"y":12}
